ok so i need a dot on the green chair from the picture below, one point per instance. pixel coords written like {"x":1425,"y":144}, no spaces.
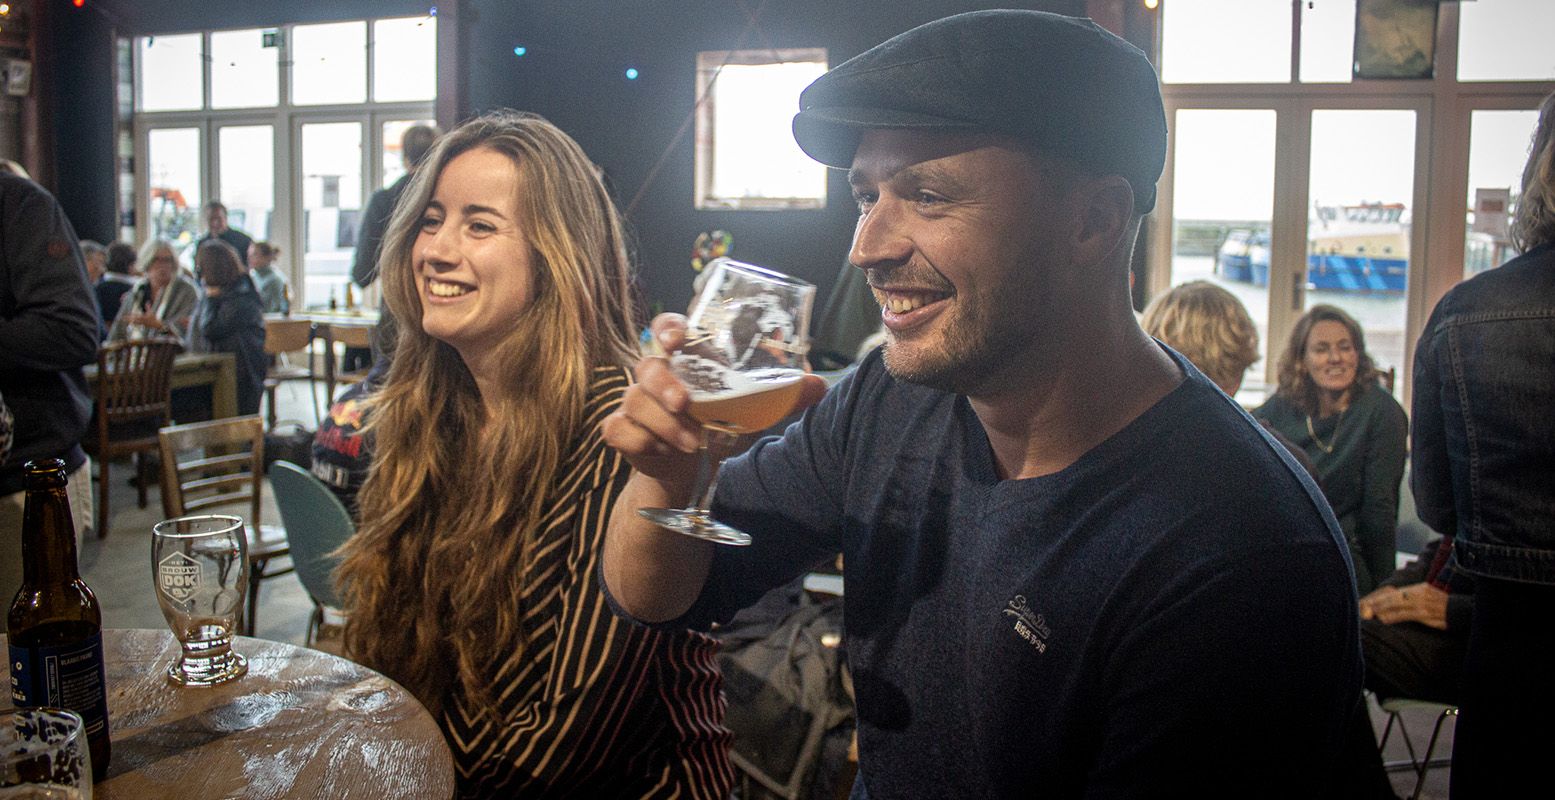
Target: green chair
{"x":316,"y":524}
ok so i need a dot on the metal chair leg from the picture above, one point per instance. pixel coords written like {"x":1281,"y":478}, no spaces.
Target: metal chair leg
{"x":1387,"y":730}
{"x":256,"y":573}
{"x":1425,"y":764}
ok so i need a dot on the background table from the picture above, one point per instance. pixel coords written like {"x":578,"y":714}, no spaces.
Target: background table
{"x":301,"y":723}
{"x":216,"y":370}
{"x":330,"y":326}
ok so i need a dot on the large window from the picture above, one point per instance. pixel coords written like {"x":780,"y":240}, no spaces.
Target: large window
{"x":745,"y":156}
{"x":291,"y":127}
{"x":1293,"y":182}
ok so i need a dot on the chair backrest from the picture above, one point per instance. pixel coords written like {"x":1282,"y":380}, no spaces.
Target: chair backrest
{"x":286,"y":335}
{"x":226,"y":465}
{"x":135,"y":380}
{"x":316,"y":525}
{"x":353,"y":335}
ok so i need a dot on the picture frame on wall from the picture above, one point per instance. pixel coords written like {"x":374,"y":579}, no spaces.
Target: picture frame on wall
{"x":18,"y":78}
{"x":1395,"y":38}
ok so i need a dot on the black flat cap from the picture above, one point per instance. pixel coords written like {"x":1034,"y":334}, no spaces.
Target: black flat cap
{"x":1062,"y":84}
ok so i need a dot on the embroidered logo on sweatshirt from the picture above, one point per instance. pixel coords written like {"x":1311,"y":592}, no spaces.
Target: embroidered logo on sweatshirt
{"x":1029,"y":625}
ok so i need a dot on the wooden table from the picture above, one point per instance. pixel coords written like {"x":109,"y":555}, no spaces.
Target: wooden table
{"x":325,"y":325}
{"x":301,"y":723}
{"x":216,"y":370}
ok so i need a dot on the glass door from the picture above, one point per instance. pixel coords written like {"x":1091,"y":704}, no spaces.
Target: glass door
{"x":1222,"y":204}
{"x":331,"y":182}
{"x":1360,"y":219}
{"x":245,"y":170}
{"x":174,"y":191}
{"x":1498,"y":148}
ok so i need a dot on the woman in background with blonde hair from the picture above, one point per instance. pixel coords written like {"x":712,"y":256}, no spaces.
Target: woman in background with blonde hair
{"x":472,"y":579}
{"x":1208,"y":325}
{"x":161,"y":302}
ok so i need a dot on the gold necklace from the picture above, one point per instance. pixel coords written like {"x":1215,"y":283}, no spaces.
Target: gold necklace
{"x":1332,"y":441}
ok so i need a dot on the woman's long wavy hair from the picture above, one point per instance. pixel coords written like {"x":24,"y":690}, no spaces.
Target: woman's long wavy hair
{"x":436,"y":578}
{"x":1533,"y":223}
{"x":1296,"y":384}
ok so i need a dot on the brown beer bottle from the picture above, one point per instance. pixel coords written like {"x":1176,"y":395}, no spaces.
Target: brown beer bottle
{"x":55,"y":626}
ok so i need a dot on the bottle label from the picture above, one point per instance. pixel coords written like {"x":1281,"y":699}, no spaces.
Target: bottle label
{"x":67,"y":676}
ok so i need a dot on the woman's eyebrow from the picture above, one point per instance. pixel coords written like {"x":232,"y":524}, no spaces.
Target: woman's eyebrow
{"x":472,"y":208}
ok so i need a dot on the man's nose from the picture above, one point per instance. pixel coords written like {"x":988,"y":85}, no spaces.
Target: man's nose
{"x":879,"y":238}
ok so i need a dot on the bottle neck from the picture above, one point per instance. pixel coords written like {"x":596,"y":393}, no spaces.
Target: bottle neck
{"x":48,"y":538}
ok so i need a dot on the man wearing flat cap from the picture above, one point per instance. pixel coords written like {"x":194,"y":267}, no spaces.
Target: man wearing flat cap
{"x":1058,"y":534}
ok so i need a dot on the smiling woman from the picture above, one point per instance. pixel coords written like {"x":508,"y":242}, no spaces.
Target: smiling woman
{"x":1331,"y":404}
{"x":472,"y":578}
{"x":472,"y":258}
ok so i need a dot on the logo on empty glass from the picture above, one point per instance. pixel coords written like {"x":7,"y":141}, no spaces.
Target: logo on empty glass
{"x":179,"y":576}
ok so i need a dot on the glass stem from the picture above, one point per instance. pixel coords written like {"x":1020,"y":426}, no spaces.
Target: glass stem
{"x":707,"y":475}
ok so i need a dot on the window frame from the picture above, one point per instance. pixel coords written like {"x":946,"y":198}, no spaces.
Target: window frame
{"x":286,"y":119}
{"x":1437,"y":234}
{"x":709,"y":64}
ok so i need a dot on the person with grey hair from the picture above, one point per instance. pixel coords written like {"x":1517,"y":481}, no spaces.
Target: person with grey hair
{"x":108,"y":287}
{"x":1058,"y":535}
{"x":161,"y":302}
{"x":1483,"y":449}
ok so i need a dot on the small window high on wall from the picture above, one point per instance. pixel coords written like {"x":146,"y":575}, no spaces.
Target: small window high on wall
{"x":745,"y":156}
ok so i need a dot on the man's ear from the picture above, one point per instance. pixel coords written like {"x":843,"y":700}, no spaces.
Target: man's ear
{"x":1105,"y":209}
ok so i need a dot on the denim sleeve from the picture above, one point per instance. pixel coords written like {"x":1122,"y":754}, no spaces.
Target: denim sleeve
{"x":1430,"y":475}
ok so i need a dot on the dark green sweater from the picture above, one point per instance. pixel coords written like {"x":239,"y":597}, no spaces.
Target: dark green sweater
{"x":1361,"y":476}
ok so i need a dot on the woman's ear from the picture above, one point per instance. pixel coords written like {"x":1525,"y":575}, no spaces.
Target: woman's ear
{"x":1106,"y":211}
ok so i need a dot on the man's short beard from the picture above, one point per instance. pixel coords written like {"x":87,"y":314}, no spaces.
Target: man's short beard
{"x":962,"y":366}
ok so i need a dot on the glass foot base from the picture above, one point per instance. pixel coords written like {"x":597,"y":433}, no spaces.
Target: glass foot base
{"x":207,"y":672}
{"x":694,"y":523}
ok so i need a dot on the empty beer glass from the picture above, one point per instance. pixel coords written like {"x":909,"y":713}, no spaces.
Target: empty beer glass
{"x":201,"y":569}
{"x":742,"y":360}
{"x":44,"y":755}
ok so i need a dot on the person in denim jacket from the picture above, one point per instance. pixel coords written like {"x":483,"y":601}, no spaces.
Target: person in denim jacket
{"x":1484,"y":470}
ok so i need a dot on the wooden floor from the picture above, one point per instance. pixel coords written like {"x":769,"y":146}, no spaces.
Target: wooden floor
{"x":119,"y":571}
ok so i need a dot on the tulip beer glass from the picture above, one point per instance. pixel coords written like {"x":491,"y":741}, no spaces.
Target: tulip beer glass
{"x":201,"y":570}
{"x":743,"y":361}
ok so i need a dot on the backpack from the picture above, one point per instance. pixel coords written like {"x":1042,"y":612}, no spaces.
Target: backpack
{"x":790,"y":696}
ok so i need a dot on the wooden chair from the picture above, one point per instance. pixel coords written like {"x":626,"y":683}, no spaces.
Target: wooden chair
{"x":134,"y":390}
{"x":283,"y":336}
{"x":351,"y":336}
{"x":224,"y":465}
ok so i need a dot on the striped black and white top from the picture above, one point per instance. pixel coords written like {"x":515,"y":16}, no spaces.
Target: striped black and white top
{"x":595,"y":706}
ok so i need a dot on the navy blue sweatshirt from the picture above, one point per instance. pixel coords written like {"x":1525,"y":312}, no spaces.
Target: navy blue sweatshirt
{"x":48,"y":329}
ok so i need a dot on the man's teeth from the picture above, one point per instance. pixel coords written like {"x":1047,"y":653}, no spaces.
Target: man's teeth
{"x":441,"y":289}
{"x":903,"y":302}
